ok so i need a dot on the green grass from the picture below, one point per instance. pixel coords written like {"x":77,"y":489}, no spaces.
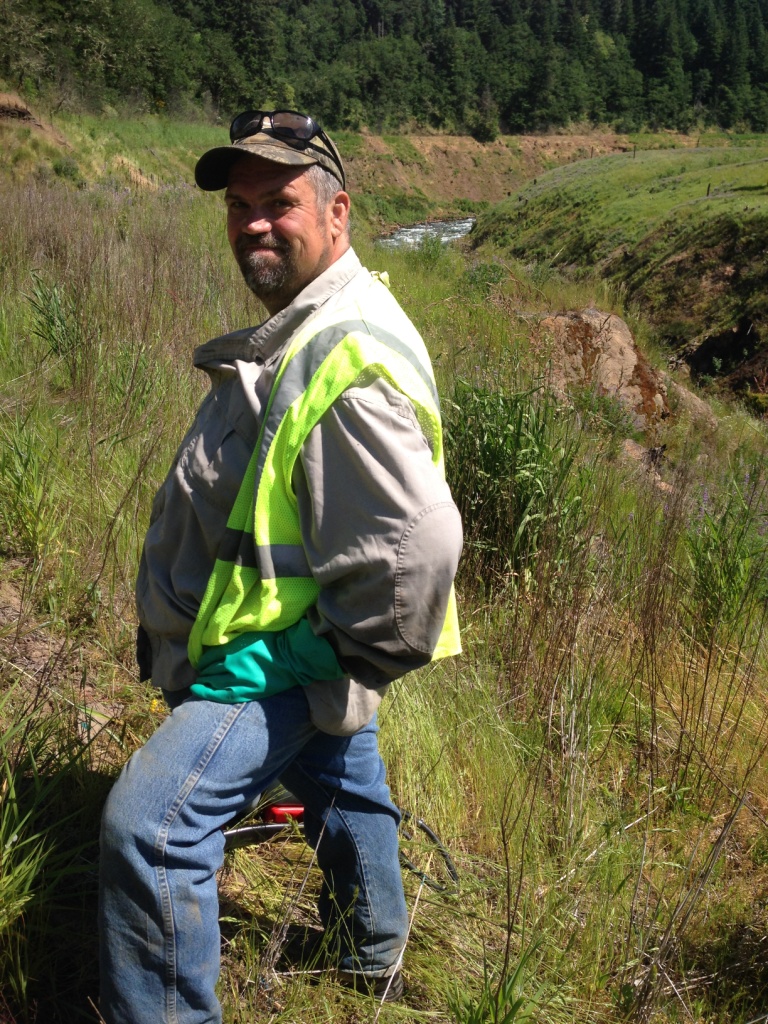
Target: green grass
{"x":376,"y":211}
{"x":609,"y":201}
{"x":350,"y":144}
{"x":682,"y":232}
{"x":595,"y":760}
{"x":403,"y":150}
{"x":163,"y":149}
{"x":155,"y":152}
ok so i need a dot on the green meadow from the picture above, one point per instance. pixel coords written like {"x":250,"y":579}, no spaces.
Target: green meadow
{"x":680,"y":233}
{"x":595,"y":760}
{"x":583,"y":212}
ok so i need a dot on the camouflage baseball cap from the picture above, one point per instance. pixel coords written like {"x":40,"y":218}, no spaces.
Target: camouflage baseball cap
{"x":281,"y":136}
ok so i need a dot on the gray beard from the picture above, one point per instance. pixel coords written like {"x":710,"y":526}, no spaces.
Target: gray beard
{"x":266,"y":277}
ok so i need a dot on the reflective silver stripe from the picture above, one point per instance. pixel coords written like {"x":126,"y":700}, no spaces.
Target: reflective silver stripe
{"x":282,"y":559}
{"x":305,"y":364}
{"x":271,"y":560}
{"x":277,"y":560}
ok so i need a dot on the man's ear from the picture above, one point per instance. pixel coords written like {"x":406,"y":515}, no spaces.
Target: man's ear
{"x":339,"y":214}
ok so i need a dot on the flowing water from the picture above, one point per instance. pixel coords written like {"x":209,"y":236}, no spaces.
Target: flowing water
{"x":445,"y":230}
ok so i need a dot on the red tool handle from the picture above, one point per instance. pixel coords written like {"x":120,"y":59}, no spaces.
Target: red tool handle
{"x":280,"y":814}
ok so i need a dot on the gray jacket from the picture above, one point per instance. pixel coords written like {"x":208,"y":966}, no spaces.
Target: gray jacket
{"x":364,"y":482}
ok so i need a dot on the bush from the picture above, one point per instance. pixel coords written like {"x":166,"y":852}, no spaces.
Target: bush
{"x":430,"y":250}
{"x":484,"y":276}
{"x":726,"y":559}
{"x":509,"y":461}
{"x":65,"y":167}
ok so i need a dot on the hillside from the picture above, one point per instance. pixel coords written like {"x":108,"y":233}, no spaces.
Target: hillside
{"x":402,"y":177}
{"x":399,"y":178}
{"x":595,"y":759}
{"x":594,"y":202}
{"x":447,"y":65}
{"x":682,"y":235}
{"x":675,"y":221}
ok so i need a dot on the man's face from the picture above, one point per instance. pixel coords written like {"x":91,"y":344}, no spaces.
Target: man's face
{"x":280,"y":238}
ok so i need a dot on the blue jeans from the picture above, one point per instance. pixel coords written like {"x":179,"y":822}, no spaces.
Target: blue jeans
{"x":161,"y":847}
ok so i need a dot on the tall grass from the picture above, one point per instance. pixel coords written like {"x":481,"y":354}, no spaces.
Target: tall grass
{"x":51,"y":788}
{"x":510,"y":462}
{"x":592,"y":760}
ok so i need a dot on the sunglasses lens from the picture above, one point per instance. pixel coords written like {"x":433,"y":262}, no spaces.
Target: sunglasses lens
{"x":245,"y":124}
{"x":292,"y":125}
{"x":285,"y":124}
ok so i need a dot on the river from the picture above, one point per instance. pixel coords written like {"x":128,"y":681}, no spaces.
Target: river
{"x":445,"y":230}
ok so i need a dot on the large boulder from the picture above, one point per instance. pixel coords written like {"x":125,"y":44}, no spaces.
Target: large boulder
{"x":590,"y":349}
{"x":685,"y":405}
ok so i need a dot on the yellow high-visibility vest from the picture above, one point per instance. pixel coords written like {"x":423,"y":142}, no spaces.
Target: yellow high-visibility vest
{"x":261,"y":580}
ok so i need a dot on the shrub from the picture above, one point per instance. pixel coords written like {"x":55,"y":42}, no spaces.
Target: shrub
{"x":509,"y":460}
{"x":430,"y":250}
{"x":56,"y":324}
{"x":65,"y":167}
{"x":484,"y":276}
{"x":726,"y":558}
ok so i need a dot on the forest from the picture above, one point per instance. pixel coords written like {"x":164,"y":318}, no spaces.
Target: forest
{"x":476,"y":67}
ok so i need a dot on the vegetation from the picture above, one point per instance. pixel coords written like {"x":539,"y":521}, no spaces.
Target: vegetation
{"x":595,"y":760}
{"x":155,"y":151}
{"x":681,"y":232}
{"x":450,"y":64}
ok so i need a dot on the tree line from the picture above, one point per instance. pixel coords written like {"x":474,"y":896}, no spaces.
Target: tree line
{"x":477,"y":66}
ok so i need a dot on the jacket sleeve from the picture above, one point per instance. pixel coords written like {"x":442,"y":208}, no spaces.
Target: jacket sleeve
{"x":382,"y":534}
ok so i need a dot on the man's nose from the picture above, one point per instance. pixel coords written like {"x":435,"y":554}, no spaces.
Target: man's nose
{"x":257,"y":223}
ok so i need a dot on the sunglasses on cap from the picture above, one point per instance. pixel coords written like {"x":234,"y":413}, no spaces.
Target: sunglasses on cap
{"x":284,"y":124}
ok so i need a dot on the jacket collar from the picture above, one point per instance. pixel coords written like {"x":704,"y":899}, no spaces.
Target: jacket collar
{"x":262,"y":342}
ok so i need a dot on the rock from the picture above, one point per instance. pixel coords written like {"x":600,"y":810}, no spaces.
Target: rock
{"x":13,"y":108}
{"x":684,"y":403}
{"x":634,"y":452}
{"x":593,"y":349}
{"x":646,"y":460}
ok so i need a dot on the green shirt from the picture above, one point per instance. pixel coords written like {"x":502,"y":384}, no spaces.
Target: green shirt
{"x":256,"y":665}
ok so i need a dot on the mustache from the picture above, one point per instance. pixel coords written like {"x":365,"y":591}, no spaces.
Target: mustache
{"x":268,"y":240}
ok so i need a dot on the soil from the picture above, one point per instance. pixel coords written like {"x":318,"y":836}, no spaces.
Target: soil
{"x":450,"y":167}
{"x":135,"y":175}
{"x":44,"y":665}
{"x":14,"y":111}
{"x":27,"y":650}
{"x":442,"y":168}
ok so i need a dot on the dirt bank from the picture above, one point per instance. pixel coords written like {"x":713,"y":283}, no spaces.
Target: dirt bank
{"x":15,"y":111}
{"x":450,"y":167}
{"x":442,"y":169}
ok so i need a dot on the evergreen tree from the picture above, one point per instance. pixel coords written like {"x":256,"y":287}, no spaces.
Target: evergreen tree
{"x":452,"y":64}
{"x":735,"y":92}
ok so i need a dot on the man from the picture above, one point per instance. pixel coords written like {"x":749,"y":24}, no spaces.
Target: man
{"x":300,"y":556}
